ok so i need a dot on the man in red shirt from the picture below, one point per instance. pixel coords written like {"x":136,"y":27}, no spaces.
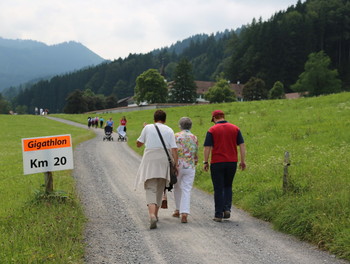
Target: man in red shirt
{"x":221,"y":142}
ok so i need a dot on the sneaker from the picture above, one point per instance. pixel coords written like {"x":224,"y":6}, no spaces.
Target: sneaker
{"x":153,"y":223}
{"x":227,"y":214}
{"x":217,"y":219}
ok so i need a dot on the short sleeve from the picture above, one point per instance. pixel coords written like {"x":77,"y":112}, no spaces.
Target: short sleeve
{"x":240,"y":139}
{"x":208,"y":142}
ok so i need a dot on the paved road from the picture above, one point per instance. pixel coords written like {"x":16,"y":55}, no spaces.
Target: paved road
{"x":118,"y":229}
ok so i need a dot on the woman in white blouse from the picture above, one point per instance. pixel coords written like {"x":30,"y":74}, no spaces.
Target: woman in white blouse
{"x":154,"y":170}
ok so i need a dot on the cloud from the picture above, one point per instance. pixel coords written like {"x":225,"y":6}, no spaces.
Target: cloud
{"x":115,"y":28}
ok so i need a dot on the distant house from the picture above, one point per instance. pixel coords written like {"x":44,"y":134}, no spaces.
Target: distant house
{"x":124,"y":102}
{"x":203,"y":87}
{"x":295,"y":95}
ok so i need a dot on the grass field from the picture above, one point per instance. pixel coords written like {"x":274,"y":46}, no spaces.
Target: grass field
{"x":315,"y":131}
{"x":35,"y":230}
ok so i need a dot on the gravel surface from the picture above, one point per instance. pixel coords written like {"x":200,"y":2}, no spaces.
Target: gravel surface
{"x":118,"y":228}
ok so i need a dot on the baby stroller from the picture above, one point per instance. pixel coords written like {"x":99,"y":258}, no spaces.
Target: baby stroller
{"x":121,"y":133}
{"x":108,"y":133}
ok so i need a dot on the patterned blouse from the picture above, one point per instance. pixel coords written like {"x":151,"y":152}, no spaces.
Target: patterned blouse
{"x":187,"y":149}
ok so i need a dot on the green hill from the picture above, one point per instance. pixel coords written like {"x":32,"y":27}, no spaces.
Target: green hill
{"x":273,"y":50}
{"x":315,"y":131}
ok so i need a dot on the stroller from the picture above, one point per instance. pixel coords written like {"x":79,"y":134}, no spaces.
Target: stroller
{"x":108,"y":133}
{"x":121,"y":133}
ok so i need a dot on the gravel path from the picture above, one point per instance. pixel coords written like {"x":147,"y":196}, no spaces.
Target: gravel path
{"x":118,"y":229}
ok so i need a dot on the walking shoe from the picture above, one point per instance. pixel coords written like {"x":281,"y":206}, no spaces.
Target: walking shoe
{"x":227,"y":214}
{"x":176,"y":213}
{"x":183,"y":218}
{"x":153,"y":223}
{"x":164,"y":204}
{"x":217,"y":219}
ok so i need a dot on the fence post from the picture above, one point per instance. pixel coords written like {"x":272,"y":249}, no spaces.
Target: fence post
{"x":286,"y":164}
{"x":48,"y":182}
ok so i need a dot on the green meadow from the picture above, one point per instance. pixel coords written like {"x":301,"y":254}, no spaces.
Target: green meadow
{"x":315,"y":132}
{"x":35,"y":229}
{"x":315,"y":208}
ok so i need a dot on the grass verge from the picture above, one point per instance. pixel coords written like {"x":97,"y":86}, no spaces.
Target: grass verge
{"x":315,"y":131}
{"x":33,"y":229}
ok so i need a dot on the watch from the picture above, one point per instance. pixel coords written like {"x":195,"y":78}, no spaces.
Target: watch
{"x":205,"y":162}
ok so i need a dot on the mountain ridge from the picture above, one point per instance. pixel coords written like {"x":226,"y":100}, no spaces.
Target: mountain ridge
{"x":24,"y":60}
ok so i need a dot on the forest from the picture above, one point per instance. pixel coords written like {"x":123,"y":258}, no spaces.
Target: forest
{"x":272,"y":50}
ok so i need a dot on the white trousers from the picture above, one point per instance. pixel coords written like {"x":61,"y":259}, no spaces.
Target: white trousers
{"x":182,"y":190}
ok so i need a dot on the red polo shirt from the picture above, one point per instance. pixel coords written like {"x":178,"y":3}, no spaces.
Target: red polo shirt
{"x":224,"y":138}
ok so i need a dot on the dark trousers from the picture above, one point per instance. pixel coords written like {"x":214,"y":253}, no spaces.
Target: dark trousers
{"x":222,"y":175}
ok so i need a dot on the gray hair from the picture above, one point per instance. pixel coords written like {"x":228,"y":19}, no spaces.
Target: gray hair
{"x":185,"y":123}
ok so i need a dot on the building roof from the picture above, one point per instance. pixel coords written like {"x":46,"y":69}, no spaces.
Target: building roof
{"x":295,"y":95}
{"x":203,"y":87}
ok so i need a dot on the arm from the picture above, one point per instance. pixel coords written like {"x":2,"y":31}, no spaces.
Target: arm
{"x":242,"y":164}
{"x":196,"y":155}
{"x":207,"y":151}
{"x":174,"y":154}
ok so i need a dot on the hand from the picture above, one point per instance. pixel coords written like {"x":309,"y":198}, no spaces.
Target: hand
{"x":242,"y":166}
{"x":206,"y":167}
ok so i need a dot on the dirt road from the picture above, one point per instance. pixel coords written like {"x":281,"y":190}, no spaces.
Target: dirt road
{"x":118,"y":227}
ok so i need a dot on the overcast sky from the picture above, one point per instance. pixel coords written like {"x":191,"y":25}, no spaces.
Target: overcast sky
{"x":115,"y":28}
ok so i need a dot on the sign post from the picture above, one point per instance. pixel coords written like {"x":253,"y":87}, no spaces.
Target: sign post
{"x":47,"y":154}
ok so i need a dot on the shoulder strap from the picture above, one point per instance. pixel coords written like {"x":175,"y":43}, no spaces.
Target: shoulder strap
{"x":161,"y":139}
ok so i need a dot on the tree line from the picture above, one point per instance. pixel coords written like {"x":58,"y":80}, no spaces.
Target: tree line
{"x":262,"y":55}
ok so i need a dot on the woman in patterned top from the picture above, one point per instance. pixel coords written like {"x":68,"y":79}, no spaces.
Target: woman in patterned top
{"x":187,"y":145}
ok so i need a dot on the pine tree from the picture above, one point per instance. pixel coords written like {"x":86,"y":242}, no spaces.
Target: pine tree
{"x":184,"y":88}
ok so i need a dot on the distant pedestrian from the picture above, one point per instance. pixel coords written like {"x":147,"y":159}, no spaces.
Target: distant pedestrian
{"x":123,"y":122}
{"x":110,"y":122}
{"x":154,"y":172}
{"x":187,"y":149}
{"x":89,"y":121}
{"x":101,"y":121}
{"x":221,"y":142}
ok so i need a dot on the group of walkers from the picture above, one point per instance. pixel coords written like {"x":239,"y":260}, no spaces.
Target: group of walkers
{"x":220,"y":146}
{"x":99,"y":121}
{"x":95,"y":122}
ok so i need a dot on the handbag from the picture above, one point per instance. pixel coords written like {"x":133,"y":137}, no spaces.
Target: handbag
{"x":172,"y":166}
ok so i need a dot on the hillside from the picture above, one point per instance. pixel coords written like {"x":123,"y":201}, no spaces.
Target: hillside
{"x":24,"y":60}
{"x":272,"y":50}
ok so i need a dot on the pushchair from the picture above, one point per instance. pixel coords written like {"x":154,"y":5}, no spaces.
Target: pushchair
{"x":108,"y":133}
{"x":122,"y":134}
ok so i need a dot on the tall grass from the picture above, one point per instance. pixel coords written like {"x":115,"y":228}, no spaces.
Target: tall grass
{"x":315,"y":131}
{"x":34,"y":230}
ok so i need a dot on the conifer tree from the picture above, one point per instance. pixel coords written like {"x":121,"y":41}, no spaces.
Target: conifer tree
{"x":184,"y":88}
